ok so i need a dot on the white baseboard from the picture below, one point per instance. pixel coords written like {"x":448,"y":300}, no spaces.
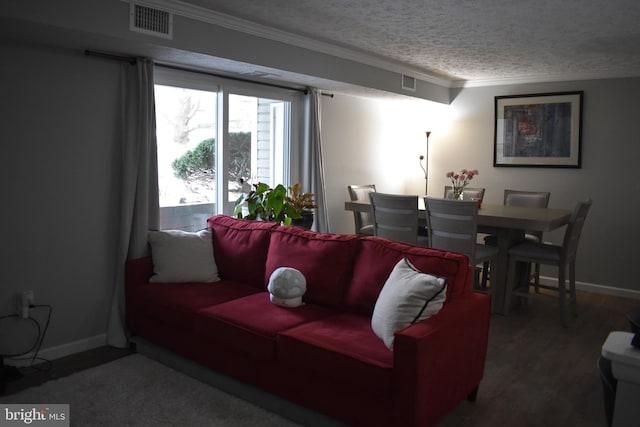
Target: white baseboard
{"x":63,"y":350}
{"x":596,"y":289}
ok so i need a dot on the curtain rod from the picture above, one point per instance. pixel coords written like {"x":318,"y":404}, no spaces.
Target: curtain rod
{"x":132,"y":60}
{"x":223,"y":76}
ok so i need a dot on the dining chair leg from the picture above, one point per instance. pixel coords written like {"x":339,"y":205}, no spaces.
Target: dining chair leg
{"x":572,"y":288}
{"x":476,"y":277}
{"x":485,"y":275}
{"x":536,"y":277}
{"x":562,"y":291}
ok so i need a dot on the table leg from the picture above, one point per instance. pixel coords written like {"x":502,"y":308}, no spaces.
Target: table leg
{"x":506,"y":238}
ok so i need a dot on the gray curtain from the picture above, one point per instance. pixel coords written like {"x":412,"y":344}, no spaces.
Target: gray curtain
{"x":139,"y":209}
{"x":311,"y":159}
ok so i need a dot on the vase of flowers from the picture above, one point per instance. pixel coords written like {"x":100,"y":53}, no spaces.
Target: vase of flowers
{"x":459,"y":180}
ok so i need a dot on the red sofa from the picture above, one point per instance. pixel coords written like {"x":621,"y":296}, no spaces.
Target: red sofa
{"x":324,"y":354}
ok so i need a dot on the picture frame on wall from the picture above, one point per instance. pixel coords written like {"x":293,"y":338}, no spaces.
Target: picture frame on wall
{"x":538,"y":130}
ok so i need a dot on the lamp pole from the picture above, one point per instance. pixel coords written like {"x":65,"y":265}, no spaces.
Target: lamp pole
{"x":425,"y":168}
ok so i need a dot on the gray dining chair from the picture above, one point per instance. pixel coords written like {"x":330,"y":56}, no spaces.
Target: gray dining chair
{"x":533,"y":199}
{"x":562,"y":256}
{"x":452,"y":225}
{"x":395,"y":217}
{"x":467,"y":194}
{"x":363,"y":220}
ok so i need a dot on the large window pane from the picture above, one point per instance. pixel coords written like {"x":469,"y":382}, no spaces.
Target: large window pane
{"x":215,"y":139}
{"x":186,"y":131}
{"x":257,"y":138}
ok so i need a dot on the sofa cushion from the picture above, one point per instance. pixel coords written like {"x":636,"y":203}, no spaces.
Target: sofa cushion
{"x":241,"y":248}
{"x":177,"y":303}
{"x":407,"y":297}
{"x":377,"y":257}
{"x":342,"y":347}
{"x":325,"y":260}
{"x":251,"y":324}
{"x":182,"y":256}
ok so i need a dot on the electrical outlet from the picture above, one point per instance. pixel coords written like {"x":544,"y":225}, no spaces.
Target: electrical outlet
{"x":27,"y":297}
{"x":27,"y":300}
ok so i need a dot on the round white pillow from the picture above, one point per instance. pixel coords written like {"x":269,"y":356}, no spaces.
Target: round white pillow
{"x":286,"y":286}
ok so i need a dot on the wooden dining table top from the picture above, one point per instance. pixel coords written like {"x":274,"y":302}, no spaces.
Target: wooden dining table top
{"x":498,"y":216}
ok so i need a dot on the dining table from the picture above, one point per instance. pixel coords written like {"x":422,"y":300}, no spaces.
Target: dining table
{"x":508,"y":224}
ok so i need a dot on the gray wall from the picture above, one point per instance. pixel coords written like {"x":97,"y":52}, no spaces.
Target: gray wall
{"x":59,"y":176}
{"x":355,"y":134}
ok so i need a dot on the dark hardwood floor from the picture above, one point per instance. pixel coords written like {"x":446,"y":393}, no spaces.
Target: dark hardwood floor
{"x":537,"y":372}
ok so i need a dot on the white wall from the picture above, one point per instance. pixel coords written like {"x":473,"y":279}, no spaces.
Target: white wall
{"x":375,"y":141}
{"x":369,"y":141}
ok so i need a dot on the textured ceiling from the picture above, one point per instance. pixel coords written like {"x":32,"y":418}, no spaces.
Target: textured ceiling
{"x":467,"y":40}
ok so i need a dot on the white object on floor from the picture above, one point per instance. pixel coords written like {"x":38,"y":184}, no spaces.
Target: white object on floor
{"x":625,"y":364}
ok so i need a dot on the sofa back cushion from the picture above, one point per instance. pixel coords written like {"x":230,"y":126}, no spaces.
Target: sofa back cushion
{"x":377,"y":257}
{"x":241,"y":248}
{"x":326,"y":260}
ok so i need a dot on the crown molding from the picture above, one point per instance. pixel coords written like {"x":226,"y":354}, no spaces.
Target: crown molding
{"x":198,"y":13}
{"x":545,"y":78}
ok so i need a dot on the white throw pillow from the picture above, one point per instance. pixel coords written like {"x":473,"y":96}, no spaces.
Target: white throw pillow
{"x":407,"y":297}
{"x":181,"y":256}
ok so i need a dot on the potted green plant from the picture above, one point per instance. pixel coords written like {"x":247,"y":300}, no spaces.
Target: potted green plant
{"x":288,"y":206}
{"x":264,"y":203}
{"x":303,"y":204}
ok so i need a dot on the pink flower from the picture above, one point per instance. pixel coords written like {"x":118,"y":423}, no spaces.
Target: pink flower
{"x":460,"y":180}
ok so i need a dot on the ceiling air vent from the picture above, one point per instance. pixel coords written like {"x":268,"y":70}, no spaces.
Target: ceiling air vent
{"x":151,"y":21}
{"x":408,"y":83}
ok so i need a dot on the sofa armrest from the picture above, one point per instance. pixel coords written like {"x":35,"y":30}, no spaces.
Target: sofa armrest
{"x":440,"y":361}
{"x":137,"y":272}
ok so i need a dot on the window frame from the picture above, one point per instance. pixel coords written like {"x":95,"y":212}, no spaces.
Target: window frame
{"x":224,"y":88}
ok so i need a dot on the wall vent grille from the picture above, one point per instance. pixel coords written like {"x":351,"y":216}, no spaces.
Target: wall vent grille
{"x":151,"y":21}
{"x":408,"y":83}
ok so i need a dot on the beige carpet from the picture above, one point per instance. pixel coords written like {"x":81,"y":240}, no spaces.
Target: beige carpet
{"x":138,"y":391}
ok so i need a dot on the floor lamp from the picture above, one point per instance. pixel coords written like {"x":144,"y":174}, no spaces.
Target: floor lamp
{"x":425,"y":168}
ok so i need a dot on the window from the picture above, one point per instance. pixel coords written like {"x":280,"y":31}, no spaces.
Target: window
{"x":216,"y":138}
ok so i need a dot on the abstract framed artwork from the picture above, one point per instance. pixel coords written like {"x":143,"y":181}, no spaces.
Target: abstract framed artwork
{"x":538,"y":130}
